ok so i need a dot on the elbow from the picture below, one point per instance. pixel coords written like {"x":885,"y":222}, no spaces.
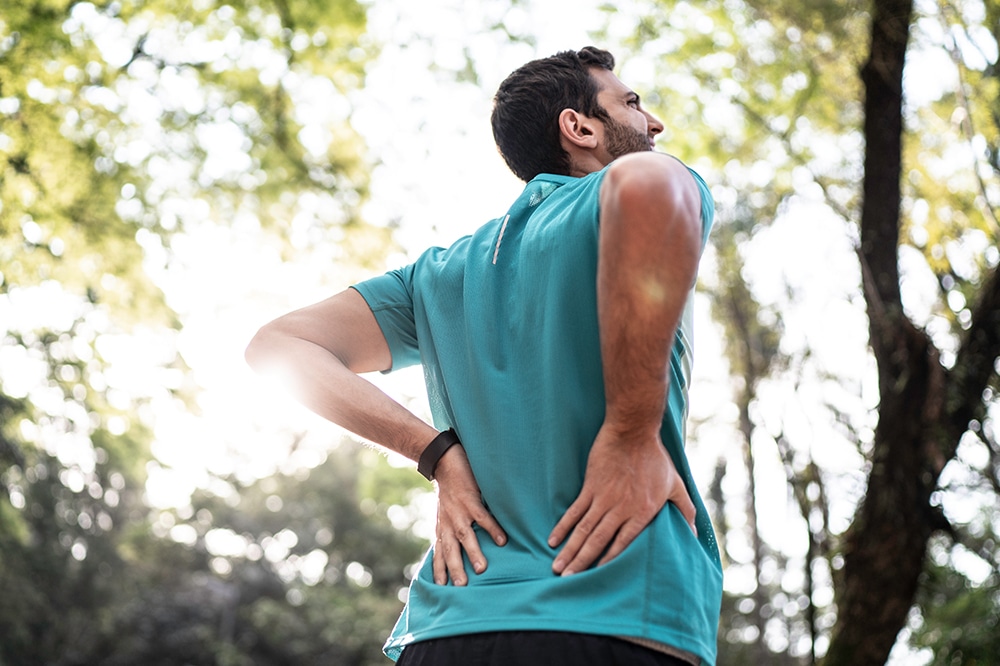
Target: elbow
{"x":255,"y":351}
{"x":260,"y":351}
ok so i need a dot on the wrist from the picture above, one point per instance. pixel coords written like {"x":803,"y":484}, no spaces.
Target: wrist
{"x":633,"y":431}
{"x":452,"y":466}
{"x":432,"y":454}
{"x":637,"y":409}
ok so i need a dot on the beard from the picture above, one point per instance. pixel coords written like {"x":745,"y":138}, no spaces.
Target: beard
{"x":620,"y":139}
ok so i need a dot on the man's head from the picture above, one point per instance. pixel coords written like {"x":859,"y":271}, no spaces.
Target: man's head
{"x":568,"y":114}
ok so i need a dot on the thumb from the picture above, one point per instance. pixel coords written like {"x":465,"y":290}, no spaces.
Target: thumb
{"x":687,"y":508}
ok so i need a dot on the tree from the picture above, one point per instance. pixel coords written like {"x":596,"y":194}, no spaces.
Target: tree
{"x":926,"y":406}
{"x":780,"y":101}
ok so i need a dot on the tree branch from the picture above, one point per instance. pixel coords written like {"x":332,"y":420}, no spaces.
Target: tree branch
{"x":975,"y":363}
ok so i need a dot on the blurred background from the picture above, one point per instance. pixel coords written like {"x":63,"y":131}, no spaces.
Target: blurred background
{"x":175,"y":174}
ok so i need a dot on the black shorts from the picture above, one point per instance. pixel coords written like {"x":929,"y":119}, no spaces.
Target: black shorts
{"x":527,"y":648}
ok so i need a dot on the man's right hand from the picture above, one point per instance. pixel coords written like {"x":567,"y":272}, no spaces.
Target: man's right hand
{"x":629,"y":478}
{"x":460,"y":506}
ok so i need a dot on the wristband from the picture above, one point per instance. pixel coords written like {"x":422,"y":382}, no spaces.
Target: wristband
{"x":432,"y":454}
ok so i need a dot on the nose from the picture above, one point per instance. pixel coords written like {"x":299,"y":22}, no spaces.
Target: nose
{"x":653,"y":124}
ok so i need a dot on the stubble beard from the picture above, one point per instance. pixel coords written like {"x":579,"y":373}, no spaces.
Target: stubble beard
{"x":620,"y":139}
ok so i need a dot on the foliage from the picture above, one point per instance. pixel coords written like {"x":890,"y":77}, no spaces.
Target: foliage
{"x":124,"y":125}
{"x":960,"y":615}
{"x":297,"y":569}
{"x":314,"y":578}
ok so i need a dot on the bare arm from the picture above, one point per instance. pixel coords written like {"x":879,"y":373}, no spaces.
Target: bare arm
{"x":321,"y":349}
{"x":649,"y":247}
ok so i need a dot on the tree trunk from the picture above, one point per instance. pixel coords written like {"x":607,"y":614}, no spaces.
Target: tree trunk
{"x":884,"y":549}
{"x":924,"y":408}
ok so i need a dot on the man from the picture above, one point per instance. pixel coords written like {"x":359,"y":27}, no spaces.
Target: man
{"x":556,"y":357}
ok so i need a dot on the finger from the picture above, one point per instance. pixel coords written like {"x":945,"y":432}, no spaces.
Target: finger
{"x":625,"y":536}
{"x":453,"y":563}
{"x":470,"y":542}
{"x":688,"y":510}
{"x":570,"y":524}
{"x":569,"y":520}
{"x":437,"y":563}
{"x":592,"y":542}
{"x":487,"y":522}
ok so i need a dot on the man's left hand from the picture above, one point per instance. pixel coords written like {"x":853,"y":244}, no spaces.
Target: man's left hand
{"x":460,"y":505}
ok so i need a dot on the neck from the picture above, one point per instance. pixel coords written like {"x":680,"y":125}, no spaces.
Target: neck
{"x":584,"y":164}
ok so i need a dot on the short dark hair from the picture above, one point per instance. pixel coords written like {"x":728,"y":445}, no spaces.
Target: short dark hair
{"x":527,"y":105}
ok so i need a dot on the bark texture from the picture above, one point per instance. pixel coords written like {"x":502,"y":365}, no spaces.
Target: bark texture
{"x":925,"y":408}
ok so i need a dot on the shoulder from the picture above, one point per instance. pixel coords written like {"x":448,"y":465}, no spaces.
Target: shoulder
{"x":653,"y":180}
{"x":649,"y":172}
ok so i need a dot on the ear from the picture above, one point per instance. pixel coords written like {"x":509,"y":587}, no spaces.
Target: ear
{"x":578,"y":129}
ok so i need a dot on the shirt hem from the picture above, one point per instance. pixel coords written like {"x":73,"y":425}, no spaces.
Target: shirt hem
{"x":681,"y":645}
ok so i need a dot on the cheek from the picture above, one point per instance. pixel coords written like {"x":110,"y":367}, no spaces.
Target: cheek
{"x":640,"y":122}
